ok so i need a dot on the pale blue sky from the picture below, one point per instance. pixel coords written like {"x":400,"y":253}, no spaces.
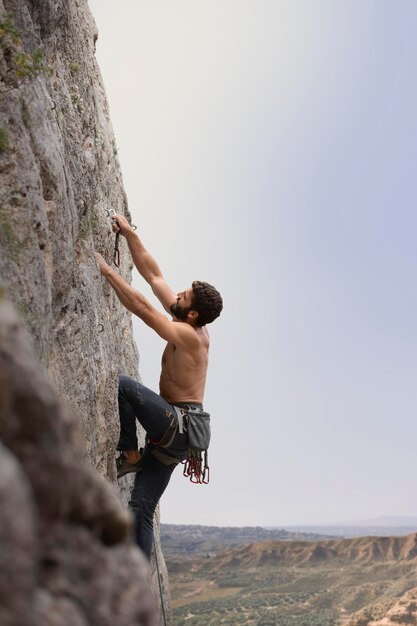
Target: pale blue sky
{"x":269,"y":147}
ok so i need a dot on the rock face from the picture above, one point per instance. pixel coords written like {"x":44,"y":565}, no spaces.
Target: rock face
{"x":59,"y":173}
{"x":66,"y":554}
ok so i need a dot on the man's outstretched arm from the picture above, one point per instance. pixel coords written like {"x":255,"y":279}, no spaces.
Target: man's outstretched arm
{"x":145,"y":263}
{"x":135,"y":302}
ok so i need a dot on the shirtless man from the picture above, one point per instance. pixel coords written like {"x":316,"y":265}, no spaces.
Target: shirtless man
{"x":182,"y":381}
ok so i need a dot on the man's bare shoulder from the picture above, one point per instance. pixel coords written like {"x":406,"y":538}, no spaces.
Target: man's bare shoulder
{"x":186,"y":331}
{"x":204,"y":336}
{"x":197,"y":335}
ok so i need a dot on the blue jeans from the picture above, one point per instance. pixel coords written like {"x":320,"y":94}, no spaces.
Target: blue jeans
{"x":138,"y":402}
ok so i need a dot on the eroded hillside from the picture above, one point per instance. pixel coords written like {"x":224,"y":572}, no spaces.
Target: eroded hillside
{"x":344,"y":582}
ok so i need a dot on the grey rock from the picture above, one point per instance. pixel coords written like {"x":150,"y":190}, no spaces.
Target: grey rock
{"x":18,"y":541}
{"x":64,"y":534}
{"x":59,"y":173}
{"x":52,"y":611}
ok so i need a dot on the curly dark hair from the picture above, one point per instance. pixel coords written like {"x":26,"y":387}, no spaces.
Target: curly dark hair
{"x":207,"y":302}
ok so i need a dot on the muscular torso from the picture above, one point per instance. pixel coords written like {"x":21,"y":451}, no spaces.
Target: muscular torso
{"x":183,"y":372}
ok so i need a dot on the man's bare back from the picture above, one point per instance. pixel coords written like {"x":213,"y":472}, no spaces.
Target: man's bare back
{"x":183,"y":370}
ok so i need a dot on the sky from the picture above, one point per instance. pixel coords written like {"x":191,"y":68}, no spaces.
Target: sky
{"x":269,"y":147}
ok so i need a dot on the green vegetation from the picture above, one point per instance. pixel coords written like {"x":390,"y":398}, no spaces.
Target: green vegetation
{"x":4,"y":140}
{"x":77,"y":102}
{"x":251,"y":609}
{"x":22,"y":65}
{"x":98,"y":138}
{"x":30,"y":65}
{"x":9,"y":31}
{"x":7,"y":234}
{"x":74,"y":68}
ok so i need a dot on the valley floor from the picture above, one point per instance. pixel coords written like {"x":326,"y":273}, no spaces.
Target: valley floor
{"x":334,"y":583}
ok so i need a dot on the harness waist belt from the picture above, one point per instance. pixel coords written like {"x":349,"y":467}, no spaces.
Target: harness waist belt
{"x":189,"y":405}
{"x":177,"y":425}
{"x":182,"y":408}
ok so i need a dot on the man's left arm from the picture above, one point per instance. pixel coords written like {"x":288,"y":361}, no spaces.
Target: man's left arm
{"x":126,"y":294}
{"x":136,"y":303}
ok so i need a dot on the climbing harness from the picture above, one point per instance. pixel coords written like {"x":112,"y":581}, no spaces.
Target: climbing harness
{"x":168,"y":436}
{"x":196,"y":423}
{"x":196,"y":466}
{"x":166,"y":459}
{"x":160,"y":583}
{"x":116,"y":252}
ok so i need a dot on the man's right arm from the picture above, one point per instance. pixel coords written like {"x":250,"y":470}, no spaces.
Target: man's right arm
{"x":145,"y":263}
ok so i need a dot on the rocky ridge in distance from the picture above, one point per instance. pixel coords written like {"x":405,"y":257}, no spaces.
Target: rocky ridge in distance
{"x":194,"y":540}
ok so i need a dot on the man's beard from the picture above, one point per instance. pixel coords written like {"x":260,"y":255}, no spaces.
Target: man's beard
{"x":180,"y":312}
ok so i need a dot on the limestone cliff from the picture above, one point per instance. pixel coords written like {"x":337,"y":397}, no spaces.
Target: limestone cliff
{"x":59,"y":173}
{"x":66,"y":556}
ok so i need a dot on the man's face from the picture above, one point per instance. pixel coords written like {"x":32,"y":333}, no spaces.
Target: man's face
{"x":183,"y":304}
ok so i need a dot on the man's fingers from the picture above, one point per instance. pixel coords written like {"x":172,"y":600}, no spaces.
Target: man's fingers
{"x":101,"y":263}
{"x":115,"y":224}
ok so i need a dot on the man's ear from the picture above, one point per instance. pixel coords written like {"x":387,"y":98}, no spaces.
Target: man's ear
{"x":192,"y":315}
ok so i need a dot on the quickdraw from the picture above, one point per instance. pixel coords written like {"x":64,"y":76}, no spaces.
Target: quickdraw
{"x":116,"y":252}
{"x":194,"y":469}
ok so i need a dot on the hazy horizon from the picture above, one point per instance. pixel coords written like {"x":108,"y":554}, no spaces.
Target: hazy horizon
{"x":269,"y":148}
{"x":389,"y":521}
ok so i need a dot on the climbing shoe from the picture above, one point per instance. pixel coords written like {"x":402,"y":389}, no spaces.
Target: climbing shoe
{"x":124,"y":467}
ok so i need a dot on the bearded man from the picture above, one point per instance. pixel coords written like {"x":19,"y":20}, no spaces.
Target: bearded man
{"x":181,"y":385}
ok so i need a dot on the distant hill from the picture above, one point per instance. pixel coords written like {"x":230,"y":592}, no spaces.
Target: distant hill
{"x":189,"y":540}
{"x":361,"y":581}
{"x":361,"y":550}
